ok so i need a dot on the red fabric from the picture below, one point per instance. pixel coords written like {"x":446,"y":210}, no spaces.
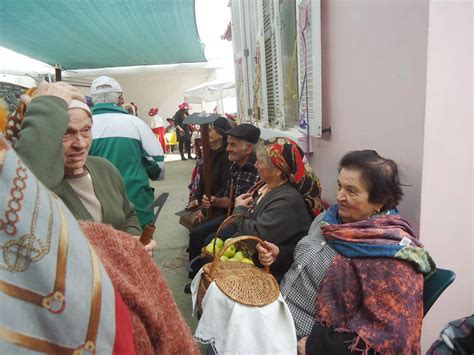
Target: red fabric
{"x":288,"y":157}
{"x":160,"y":133}
{"x":153,"y":111}
{"x":158,"y":327}
{"x":124,"y":343}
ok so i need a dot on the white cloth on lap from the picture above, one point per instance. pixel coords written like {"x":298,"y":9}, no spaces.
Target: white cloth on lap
{"x":233,"y":328}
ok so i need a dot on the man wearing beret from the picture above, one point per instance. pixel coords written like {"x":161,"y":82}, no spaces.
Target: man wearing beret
{"x":241,"y":141}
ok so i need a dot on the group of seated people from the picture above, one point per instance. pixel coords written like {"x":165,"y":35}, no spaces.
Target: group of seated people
{"x":351,"y":275}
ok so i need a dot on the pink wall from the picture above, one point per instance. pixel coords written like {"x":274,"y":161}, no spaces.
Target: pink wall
{"x":447,"y":194}
{"x":373,"y":88}
{"x":378,"y":78}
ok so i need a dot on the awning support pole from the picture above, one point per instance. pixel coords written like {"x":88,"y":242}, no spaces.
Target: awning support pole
{"x":57,"y":72}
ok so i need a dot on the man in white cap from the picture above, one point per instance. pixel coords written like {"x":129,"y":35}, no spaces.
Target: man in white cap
{"x":127,"y":142}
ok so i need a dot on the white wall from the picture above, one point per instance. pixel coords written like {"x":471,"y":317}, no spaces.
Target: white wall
{"x":162,"y":89}
{"x":447,"y":193}
{"x":373,"y":88}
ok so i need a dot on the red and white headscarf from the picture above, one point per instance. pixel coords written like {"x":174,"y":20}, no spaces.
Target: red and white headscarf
{"x":288,"y":157}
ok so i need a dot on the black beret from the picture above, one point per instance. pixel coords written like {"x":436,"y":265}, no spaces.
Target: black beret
{"x":245,"y":131}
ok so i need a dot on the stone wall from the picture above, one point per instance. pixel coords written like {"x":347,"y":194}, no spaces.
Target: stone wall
{"x":11,"y":94}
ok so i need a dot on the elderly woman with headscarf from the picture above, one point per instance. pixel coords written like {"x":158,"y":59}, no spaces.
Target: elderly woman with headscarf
{"x":356,"y":283}
{"x":288,"y":198}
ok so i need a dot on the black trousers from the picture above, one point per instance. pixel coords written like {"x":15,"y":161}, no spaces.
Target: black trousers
{"x":197,"y":237}
{"x":183,"y":143}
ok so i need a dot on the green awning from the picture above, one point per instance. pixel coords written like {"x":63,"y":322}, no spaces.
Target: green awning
{"x":80,"y":34}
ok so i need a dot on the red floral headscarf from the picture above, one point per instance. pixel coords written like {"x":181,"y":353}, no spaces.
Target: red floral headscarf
{"x":288,"y":157}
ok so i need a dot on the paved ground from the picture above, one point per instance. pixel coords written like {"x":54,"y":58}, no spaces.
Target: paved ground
{"x":172,"y":238}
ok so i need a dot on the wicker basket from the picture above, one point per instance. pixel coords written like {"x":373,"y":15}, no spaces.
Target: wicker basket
{"x":242,"y":245}
{"x":242,"y":282}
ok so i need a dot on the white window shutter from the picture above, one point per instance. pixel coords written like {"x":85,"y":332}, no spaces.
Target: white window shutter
{"x":271,"y":65}
{"x":309,"y":64}
{"x":238,"y":42}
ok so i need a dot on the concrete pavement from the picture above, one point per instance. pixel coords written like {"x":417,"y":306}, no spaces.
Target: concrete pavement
{"x":172,"y":238}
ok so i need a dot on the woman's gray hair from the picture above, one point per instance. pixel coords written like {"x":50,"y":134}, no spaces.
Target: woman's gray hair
{"x":262,"y":155}
{"x":106,"y":98}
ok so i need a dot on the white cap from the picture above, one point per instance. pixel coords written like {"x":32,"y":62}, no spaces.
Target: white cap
{"x":79,"y":104}
{"x":105,"y":85}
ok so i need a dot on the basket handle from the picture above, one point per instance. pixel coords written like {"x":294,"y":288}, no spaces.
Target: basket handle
{"x":223,"y":249}
{"x":224,"y":223}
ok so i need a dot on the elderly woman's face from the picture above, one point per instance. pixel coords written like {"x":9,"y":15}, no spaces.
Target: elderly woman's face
{"x":77,"y":141}
{"x":353,"y":197}
{"x":214,"y":137}
{"x":265,"y":173}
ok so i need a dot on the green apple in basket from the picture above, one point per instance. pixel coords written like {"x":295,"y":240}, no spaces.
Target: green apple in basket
{"x":219,"y":242}
{"x":247,"y":261}
{"x":210,"y":246}
{"x":230,"y":251}
{"x":227,"y":241}
{"x":239,"y":256}
{"x":224,"y":258}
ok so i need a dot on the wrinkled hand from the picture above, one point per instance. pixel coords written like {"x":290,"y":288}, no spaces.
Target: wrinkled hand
{"x":193,"y":204}
{"x":244,"y":200}
{"x":267,"y":253}
{"x":199,"y":217}
{"x":150,"y":246}
{"x":206,"y":202}
{"x":60,"y":89}
{"x":301,"y":346}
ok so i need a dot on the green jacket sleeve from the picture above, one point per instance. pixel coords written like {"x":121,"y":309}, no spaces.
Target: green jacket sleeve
{"x":132,"y":225}
{"x":40,"y":144}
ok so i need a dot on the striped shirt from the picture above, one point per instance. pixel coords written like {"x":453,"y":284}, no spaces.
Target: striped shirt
{"x":300,"y":285}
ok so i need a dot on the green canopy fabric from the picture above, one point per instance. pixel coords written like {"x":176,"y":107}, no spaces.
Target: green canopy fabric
{"x":80,"y":34}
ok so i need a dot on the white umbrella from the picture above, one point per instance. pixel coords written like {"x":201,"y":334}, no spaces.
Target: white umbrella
{"x":210,"y":91}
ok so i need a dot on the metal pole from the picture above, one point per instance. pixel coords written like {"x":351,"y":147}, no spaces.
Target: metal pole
{"x":57,"y":71}
{"x":222,"y":103}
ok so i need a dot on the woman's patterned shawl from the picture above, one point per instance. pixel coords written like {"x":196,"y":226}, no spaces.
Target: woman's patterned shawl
{"x":374,"y":287}
{"x":55,"y":296}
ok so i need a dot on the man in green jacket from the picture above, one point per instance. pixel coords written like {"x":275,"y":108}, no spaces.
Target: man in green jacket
{"x":54,"y":142}
{"x":128,"y":143}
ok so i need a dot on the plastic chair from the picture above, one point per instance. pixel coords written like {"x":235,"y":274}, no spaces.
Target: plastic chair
{"x":170,"y":140}
{"x":435,"y":285}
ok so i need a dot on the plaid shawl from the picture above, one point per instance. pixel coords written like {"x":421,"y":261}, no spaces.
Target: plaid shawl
{"x":374,"y":287}
{"x":287,"y":156}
